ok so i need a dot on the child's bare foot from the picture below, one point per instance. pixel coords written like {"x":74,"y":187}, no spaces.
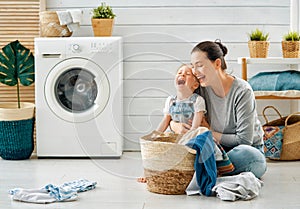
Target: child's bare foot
{"x":142,"y":180}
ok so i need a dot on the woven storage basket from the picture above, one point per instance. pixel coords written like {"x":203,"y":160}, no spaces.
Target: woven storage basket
{"x":290,"y":49}
{"x":168,"y":166}
{"x":50,"y":26}
{"x":291,"y":140}
{"x":16,"y":139}
{"x":16,"y":130}
{"x":258,"y":49}
{"x":291,"y":143}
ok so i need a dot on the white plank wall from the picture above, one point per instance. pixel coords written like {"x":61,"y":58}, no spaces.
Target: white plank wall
{"x":159,"y":35}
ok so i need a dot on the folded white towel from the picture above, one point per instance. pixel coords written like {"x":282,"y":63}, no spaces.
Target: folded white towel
{"x":64,"y":17}
{"x":76,"y":15}
{"x":71,"y":18}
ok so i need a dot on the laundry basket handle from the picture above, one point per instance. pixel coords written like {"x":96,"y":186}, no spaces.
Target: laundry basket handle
{"x":267,"y":107}
{"x":288,"y":117}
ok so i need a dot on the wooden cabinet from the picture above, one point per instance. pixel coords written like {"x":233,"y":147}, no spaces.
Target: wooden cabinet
{"x":293,"y":62}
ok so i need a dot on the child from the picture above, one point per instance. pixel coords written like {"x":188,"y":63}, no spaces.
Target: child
{"x":186,"y":106}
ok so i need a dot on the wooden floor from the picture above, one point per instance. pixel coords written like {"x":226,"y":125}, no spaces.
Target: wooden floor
{"x":117,"y":187}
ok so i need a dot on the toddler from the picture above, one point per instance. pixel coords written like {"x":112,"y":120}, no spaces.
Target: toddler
{"x":186,"y":107}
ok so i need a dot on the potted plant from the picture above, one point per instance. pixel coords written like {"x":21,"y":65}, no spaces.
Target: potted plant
{"x":16,"y":118}
{"x":291,"y":45}
{"x":103,"y":20}
{"x":258,"y":44}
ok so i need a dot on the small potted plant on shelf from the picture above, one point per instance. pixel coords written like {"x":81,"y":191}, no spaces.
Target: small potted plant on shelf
{"x":103,"y":20}
{"x":16,"y":118}
{"x":258,"y":44}
{"x":291,"y":45}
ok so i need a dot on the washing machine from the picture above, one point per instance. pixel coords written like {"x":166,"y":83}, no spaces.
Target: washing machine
{"x":78,"y":89}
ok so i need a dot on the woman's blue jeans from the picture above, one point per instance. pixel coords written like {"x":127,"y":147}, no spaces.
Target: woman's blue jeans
{"x":248,"y":158}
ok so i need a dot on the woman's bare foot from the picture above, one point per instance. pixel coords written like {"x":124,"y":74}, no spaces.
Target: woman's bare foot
{"x":142,"y":180}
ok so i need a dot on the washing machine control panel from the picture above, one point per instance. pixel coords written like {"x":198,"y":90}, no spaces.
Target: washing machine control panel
{"x":104,"y":47}
{"x":90,"y":47}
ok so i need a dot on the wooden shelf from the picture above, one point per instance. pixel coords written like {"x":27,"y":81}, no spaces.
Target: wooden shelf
{"x":244,"y":61}
{"x":270,"y":60}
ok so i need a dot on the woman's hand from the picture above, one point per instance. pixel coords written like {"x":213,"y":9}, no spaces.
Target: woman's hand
{"x":179,"y":128}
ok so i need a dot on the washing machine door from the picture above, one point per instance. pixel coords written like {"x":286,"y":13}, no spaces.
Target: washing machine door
{"x":77,"y":90}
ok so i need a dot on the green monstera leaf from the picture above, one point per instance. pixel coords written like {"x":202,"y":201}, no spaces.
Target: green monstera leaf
{"x":16,"y":66}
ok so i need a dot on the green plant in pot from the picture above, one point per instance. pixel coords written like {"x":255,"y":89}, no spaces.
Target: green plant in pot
{"x":103,"y":20}
{"x":16,"y":118}
{"x":258,"y":44}
{"x":291,"y":45}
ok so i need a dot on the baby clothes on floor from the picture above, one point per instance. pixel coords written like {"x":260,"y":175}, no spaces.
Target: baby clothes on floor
{"x":51,"y":193}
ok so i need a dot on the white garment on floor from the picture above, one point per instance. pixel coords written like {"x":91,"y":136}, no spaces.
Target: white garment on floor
{"x":51,"y":193}
{"x":244,"y":186}
{"x":41,"y":196}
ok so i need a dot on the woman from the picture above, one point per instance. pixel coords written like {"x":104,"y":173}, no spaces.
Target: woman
{"x":231,"y":109}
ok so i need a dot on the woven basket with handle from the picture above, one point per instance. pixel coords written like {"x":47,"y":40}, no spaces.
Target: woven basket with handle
{"x":291,"y":133}
{"x":291,"y":139}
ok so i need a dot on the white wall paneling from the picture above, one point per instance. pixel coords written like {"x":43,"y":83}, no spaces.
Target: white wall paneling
{"x":167,"y":3}
{"x":159,"y":35}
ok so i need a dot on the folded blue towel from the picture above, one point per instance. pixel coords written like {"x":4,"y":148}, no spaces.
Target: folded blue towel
{"x":276,"y":81}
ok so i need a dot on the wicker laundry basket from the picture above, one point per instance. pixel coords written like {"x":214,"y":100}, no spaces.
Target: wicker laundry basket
{"x":50,"y":26}
{"x":168,"y":166}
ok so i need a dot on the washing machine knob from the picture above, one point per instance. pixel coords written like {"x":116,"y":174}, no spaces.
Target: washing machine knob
{"x":75,"y":48}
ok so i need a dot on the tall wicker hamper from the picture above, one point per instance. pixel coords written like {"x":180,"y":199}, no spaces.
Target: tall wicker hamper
{"x":168,"y":166}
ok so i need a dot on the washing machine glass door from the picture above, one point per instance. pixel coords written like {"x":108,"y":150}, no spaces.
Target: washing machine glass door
{"x":77,"y":90}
